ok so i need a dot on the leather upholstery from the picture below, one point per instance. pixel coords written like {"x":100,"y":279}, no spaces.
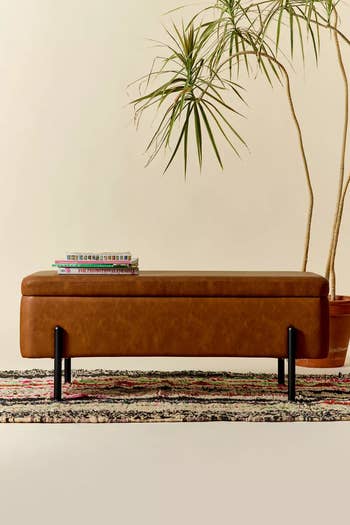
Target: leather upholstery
{"x":178,"y":284}
{"x":174,"y":326}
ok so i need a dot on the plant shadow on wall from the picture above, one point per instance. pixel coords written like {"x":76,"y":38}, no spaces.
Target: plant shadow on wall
{"x":194,"y":86}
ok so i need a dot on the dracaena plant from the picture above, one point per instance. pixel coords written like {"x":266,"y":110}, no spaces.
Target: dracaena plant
{"x":188,"y":93}
{"x":197,"y":81}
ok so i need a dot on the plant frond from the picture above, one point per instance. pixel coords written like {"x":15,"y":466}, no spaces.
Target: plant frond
{"x":189,"y":94}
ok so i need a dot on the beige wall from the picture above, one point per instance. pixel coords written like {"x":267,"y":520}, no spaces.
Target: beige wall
{"x":72,"y":174}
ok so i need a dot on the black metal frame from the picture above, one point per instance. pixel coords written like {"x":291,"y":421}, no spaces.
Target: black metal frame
{"x":292,"y":346}
{"x":59,"y":354}
{"x":59,"y":351}
{"x":281,"y":371}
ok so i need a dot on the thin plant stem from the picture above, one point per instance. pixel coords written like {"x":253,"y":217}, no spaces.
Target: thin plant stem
{"x":330,"y":269}
{"x":341,"y":210}
{"x":301,"y":146}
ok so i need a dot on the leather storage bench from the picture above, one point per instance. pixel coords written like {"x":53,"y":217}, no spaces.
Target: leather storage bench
{"x":240,"y":314}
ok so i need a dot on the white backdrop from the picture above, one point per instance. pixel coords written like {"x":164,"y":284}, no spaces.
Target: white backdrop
{"x":72,"y":177}
{"x":72,"y":164}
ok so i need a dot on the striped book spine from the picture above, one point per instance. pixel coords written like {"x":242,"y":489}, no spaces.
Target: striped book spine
{"x":100,"y":256}
{"x":97,"y":271}
{"x":95,"y":264}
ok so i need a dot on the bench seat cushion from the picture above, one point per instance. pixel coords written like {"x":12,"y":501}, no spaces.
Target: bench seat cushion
{"x":177,"y":284}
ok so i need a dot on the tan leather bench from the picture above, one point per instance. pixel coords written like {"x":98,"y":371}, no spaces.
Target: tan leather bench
{"x":240,"y":314}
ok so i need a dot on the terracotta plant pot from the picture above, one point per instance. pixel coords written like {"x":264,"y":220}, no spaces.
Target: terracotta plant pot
{"x":339,"y":334}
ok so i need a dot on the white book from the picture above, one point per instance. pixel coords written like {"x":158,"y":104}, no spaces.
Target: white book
{"x":98,"y":256}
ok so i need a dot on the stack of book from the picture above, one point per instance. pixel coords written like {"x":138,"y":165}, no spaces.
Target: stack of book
{"x":100,"y":263}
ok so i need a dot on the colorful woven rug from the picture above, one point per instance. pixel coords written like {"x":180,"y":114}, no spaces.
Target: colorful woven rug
{"x":106,"y":396}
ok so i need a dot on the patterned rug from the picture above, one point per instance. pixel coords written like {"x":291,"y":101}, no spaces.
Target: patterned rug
{"x":106,"y":396}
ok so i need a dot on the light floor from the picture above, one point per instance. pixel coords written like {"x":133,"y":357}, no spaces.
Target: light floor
{"x":167,"y":474}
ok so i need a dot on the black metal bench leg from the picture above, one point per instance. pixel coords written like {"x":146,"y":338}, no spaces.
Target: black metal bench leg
{"x":58,"y":345}
{"x":67,"y":370}
{"x":280,"y":371}
{"x":292,"y":340}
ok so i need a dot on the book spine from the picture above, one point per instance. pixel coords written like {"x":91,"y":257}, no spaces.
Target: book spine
{"x":101,"y":256}
{"x":95,"y":264}
{"x":98,"y":271}
{"x":65,"y":264}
